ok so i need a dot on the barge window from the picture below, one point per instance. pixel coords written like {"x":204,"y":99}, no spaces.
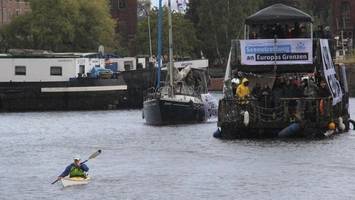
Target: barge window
{"x":81,"y":69}
{"x":115,"y":4}
{"x":128,"y":65}
{"x":20,"y":70}
{"x":56,"y":71}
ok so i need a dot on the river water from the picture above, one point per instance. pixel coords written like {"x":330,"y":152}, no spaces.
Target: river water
{"x":174,"y":162}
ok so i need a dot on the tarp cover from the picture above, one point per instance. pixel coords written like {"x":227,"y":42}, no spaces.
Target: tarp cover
{"x":278,"y":13}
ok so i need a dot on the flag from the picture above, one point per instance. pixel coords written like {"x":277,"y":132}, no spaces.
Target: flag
{"x":181,"y":5}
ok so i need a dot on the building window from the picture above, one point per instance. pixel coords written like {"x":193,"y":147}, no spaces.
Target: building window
{"x":122,"y":4}
{"x":20,"y":70}
{"x":111,"y":4}
{"x":56,"y":71}
{"x":114,"y":4}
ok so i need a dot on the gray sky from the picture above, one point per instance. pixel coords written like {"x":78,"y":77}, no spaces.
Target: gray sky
{"x":156,"y":3}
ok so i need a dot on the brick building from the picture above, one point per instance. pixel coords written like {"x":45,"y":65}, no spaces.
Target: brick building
{"x":12,"y":8}
{"x":344,"y":18}
{"x":125,"y":12}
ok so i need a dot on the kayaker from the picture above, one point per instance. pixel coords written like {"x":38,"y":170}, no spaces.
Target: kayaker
{"x":75,"y":169}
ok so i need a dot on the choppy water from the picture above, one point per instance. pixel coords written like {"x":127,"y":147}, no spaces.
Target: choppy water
{"x":176,"y":162}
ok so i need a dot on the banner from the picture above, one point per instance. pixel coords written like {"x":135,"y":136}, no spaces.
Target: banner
{"x":279,"y":51}
{"x":329,"y":72}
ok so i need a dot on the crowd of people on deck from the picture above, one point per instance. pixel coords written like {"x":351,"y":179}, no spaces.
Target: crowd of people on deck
{"x":297,"y":30}
{"x":284,"y":87}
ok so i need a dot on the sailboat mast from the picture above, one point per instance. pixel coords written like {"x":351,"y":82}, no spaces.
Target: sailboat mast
{"x":160,"y":24}
{"x":171,"y":62}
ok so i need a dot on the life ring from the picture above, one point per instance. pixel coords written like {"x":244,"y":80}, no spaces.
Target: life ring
{"x":353,"y":123}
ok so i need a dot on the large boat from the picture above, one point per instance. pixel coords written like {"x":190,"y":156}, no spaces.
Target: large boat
{"x":179,"y":100}
{"x":32,"y":80}
{"x":296,"y":90}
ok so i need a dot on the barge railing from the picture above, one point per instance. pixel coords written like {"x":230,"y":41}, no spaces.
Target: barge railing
{"x":312,"y":111}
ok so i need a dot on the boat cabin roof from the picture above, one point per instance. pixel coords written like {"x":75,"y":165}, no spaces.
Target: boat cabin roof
{"x":29,"y":53}
{"x":278,"y":13}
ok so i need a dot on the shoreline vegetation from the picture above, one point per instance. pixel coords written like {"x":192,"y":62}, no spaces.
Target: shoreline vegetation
{"x":200,"y":31}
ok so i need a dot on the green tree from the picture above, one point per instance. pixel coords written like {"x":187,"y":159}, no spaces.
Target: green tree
{"x":320,"y":10}
{"x":218,"y":22}
{"x":62,"y":25}
{"x":184,"y":34}
{"x":286,"y":2}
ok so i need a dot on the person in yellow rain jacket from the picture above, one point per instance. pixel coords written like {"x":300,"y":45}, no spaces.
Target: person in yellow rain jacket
{"x":243,"y":90}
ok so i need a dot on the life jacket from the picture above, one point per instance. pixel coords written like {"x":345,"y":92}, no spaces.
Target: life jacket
{"x":77,"y":172}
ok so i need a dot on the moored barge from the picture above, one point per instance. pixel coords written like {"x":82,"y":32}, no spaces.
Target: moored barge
{"x":38,"y":80}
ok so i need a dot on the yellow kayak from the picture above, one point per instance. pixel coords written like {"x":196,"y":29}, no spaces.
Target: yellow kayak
{"x":74,"y":181}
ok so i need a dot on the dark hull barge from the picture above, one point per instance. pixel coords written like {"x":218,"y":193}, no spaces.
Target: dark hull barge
{"x":85,"y":94}
{"x":42,"y":81}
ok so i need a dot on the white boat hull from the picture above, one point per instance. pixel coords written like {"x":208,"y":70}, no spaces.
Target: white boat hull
{"x":66,"y":182}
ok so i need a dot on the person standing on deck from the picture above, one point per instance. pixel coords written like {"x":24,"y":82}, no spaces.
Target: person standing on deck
{"x":75,"y":169}
{"x":323,"y":90}
{"x":235,"y":84}
{"x":243,"y":90}
{"x":256,"y":92}
{"x":310,"y":89}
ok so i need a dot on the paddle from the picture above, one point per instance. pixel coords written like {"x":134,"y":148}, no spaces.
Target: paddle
{"x":94,"y":155}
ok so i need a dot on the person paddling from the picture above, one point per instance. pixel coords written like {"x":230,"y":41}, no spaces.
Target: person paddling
{"x":75,"y":169}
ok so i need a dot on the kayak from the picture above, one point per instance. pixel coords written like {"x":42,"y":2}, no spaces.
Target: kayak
{"x":75,"y":181}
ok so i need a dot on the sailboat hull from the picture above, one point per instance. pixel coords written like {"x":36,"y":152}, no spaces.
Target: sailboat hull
{"x":163,"y":112}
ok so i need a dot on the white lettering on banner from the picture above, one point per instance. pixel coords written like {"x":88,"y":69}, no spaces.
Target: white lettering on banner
{"x":280,"y":51}
{"x":329,"y":72}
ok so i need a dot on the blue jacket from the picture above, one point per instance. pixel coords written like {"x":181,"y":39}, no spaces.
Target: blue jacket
{"x":67,"y":169}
